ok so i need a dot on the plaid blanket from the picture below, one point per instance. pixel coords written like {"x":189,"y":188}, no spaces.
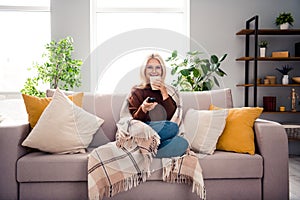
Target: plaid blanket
{"x":125,"y":163}
{"x":185,"y":169}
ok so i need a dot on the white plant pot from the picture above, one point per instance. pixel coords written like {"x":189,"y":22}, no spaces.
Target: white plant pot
{"x":284,"y":26}
{"x":285,"y":79}
{"x":262,"y":52}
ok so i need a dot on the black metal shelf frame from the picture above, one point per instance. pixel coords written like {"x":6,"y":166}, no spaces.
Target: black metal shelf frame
{"x":247,"y":62}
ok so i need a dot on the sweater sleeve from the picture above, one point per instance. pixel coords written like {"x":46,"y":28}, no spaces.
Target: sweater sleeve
{"x":135,"y":101}
{"x":170,"y":106}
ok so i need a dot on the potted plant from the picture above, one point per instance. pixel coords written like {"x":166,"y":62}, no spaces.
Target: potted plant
{"x":284,"y":20}
{"x":195,"y":73}
{"x":59,"y":70}
{"x":284,"y":71}
{"x":262,"y":47}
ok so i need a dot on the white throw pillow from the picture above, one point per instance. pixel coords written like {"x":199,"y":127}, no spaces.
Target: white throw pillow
{"x":203,"y":128}
{"x":63,"y":127}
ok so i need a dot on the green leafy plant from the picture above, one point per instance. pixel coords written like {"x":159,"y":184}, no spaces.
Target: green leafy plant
{"x":284,"y":70}
{"x":59,"y":69}
{"x":284,"y":18}
{"x":195,"y":73}
{"x":263,"y":44}
{"x":30,"y":88}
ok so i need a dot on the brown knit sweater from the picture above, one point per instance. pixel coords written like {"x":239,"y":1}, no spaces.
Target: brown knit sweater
{"x":163,"y":111}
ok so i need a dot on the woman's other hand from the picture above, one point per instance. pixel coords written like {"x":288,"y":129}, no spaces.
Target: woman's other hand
{"x":159,"y":84}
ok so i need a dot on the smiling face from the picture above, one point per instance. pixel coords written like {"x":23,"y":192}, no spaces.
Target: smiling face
{"x":153,"y":65}
{"x":153,"y":68}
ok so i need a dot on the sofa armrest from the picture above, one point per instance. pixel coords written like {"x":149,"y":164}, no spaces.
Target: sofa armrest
{"x":11,"y":137}
{"x":272,"y":144}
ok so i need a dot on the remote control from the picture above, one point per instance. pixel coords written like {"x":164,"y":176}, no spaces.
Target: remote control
{"x":151,"y":100}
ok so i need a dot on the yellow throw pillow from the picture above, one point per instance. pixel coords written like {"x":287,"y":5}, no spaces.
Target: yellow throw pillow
{"x":238,"y":134}
{"x":36,"y":105}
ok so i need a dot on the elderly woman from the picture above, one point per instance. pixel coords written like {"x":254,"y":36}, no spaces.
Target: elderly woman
{"x":154,"y":105}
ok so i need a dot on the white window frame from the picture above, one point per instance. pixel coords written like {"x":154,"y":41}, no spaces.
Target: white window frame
{"x":25,"y":8}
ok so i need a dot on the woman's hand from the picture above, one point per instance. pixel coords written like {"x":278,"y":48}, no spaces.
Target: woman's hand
{"x":159,"y":84}
{"x":146,"y":106}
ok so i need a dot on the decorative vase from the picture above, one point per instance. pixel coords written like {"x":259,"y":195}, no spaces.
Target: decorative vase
{"x":262,"y":51}
{"x":284,"y":26}
{"x":285,"y":79}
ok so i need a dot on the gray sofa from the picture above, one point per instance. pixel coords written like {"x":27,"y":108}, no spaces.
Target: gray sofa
{"x":227,"y":175}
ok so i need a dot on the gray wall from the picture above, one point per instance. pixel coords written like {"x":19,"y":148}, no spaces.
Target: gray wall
{"x":72,"y":18}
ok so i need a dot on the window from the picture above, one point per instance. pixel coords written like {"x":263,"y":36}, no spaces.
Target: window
{"x":25,"y":30}
{"x":117,"y":17}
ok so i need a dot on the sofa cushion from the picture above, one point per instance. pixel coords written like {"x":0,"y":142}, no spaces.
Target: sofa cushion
{"x":107,"y":107}
{"x":203,"y":127}
{"x":232,"y":165}
{"x":202,"y":100}
{"x":63,"y":127}
{"x":50,"y":92}
{"x":43,"y":167}
{"x":222,"y":165}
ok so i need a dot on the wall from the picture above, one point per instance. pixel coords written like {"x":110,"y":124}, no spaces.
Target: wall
{"x":72,"y":18}
{"x":214,"y":24}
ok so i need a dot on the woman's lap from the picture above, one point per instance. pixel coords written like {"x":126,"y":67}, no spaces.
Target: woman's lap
{"x":174,"y":147}
{"x":165,"y":129}
{"x":171,"y":144}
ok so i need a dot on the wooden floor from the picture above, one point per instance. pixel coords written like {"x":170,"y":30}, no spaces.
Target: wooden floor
{"x":294,"y":173}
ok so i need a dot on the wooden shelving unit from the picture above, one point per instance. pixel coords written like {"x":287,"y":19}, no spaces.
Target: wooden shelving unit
{"x":281,"y":112}
{"x":269,"y":59}
{"x":269,"y":32}
{"x":254,"y":59}
{"x":268,"y":85}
